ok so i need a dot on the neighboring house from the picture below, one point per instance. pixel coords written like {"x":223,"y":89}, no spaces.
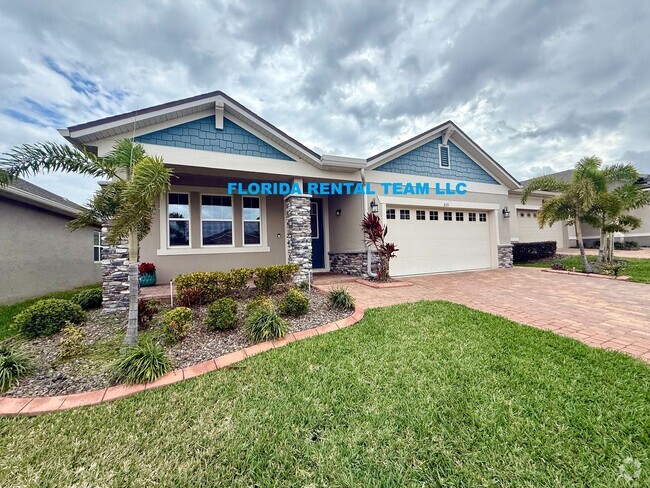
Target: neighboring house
{"x":39,"y":254}
{"x":524,"y":226}
{"x":211,"y":140}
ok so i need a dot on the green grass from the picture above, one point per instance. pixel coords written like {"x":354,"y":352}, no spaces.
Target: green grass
{"x":424,"y":394}
{"x":637,"y":269}
{"x":8,"y":312}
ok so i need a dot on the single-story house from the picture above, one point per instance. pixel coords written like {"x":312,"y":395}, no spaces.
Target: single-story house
{"x":524,"y":226}
{"x":214,"y":143}
{"x":39,"y":254}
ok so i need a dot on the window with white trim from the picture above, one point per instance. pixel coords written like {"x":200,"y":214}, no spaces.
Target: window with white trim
{"x":390,"y":214}
{"x":178,"y":219}
{"x":443,"y":153}
{"x":448,"y":217}
{"x":471,"y":216}
{"x":252,"y":217}
{"x":404,"y":214}
{"x":482,"y":217}
{"x":459,"y":216}
{"x":313,"y":214}
{"x":433,"y":215}
{"x":420,"y":215}
{"x":97,"y":246}
{"x":216,"y":220}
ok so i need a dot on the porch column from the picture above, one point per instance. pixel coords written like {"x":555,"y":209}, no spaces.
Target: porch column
{"x":297,"y":208}
{"x":115,"y":274}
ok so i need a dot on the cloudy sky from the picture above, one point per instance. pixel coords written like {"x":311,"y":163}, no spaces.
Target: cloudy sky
{"x":537,"y":84}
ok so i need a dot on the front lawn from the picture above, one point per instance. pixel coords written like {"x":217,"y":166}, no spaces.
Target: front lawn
{"x":637,"y":269}
{"x":8,"y":312}
{"x":430,"y":393}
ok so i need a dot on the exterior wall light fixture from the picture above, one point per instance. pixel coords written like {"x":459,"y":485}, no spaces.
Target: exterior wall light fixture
{"x":374,"y":207}
{"x":506,"y":213}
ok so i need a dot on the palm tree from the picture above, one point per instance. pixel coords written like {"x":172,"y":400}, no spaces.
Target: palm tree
{"x":574,"y":200}
{"x":136,"y":183}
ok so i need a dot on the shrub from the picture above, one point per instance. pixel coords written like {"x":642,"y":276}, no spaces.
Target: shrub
{"x":294,"y":304}
{"x":237,"y":280}
{"x":147,"y":309}
{"x":257,"y":303}
{"x":524,"y":252}
{"x":631,"y":245}
{"x":340,"y":298}
{"x":222,"y":314}
{"x":612,"y":269}
{"x":89,"y":299}
{"x":177,"y":323}
{"x":268,"y":277}
{"x":194,"y":289}
{"x":73,"y":341}
{"x":47,"y":317}
{"x":15,"y":362}
{"x":142,"y":363}
{"x":558,"y":265}
{"x":264,"y":325}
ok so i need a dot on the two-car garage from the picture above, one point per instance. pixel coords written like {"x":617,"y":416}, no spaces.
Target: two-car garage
{"x":440,"y":239}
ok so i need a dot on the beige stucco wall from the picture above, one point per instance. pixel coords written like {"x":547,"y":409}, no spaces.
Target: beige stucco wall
{"x":168,"y":266}
{"x":345,"y":229}
{"x":40,"y":255}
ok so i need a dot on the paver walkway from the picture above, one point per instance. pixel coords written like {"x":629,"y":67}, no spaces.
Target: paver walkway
{"x":643,"y":253}
{"x":603,"y":313}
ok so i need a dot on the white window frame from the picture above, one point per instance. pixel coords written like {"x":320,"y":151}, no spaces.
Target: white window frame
{"x":189,"y":219}
{"x":407,"y":212}
{"x":433,"y":215}
{"x":424,"y":214}
{"x":482,"y":217}
{"x":231,"y":220}
{"x":440,"y":146}
{"x":243,"y":222}
{"x":469,"y":216}
{"x":311,"y":206}
{"x":394,"y":217}
{"x":444,"y":216}
{"x":461,"y":215}
{"x":97,"y":246}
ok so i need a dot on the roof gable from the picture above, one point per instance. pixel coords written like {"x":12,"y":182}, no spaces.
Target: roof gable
{"x":424,"y":160}
{"x":203,"y":135}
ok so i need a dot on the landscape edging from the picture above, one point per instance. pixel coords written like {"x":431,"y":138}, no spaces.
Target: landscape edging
{"x":29,"y":406}
{"x":587,"y":275}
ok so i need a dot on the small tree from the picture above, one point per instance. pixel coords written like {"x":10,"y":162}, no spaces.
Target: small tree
{"x":374,"y":234}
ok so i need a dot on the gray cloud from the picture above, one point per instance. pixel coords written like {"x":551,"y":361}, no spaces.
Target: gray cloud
{"x":537,"y":84}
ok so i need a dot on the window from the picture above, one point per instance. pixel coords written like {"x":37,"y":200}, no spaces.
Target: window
{"x":471,"y":216}
{"x":97,"y":246}
{"x":390,"y":214}
{"x":521,"y":214}
{"x":216,"y":220}
{"x":528,"y":214}
{"x":433,"y":215}
{"x":178,"y":216}
{"x":444,"y":156}
{"x":459,"y":216}
{"x":448,"y":216}
{"x":482,"y":217}
{"x":313,"y":213}
{"x":405,"y":214}
{"x":420,"y":215}
{"x":252,"y":216}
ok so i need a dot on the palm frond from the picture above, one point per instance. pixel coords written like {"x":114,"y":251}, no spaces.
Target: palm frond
{"x":126,"y":154}
{"x":625,"y":173}
{"x":102,"y":207}
{"x":555,"y":209}
{"x":543,"y":183}
{"x":29,"y":159}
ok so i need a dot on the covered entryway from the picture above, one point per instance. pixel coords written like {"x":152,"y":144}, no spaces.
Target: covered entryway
{"x":438,"y":240}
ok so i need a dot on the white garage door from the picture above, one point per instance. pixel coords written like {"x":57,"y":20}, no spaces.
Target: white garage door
{"x":438,"y":240}
{"x":529,"y":230}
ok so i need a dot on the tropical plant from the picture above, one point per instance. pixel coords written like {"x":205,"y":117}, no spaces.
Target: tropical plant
{"x":147,"y":309}
{"x":142,"y":363}
{"x":177,"y":323}
{"x":374,"y":234}
{"x":15,"y":362}
{"x":293,"y":304}
{"x":222,"y":314}
{"x":259,"y":302}
{"x":89,"y":299}
{"x":340,"y":298}
{"x":73,"y":341}
{"x":128,"y":201}
{"x":47,"y":317}
{"x":146,"y":268}
{"x":264,"y":325}
{"x":572,"y":202}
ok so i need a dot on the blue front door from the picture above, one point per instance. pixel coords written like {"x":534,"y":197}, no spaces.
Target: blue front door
{"x":317,"y":238}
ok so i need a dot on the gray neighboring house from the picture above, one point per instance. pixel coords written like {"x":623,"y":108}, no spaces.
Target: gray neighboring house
{"x":39,"y":254}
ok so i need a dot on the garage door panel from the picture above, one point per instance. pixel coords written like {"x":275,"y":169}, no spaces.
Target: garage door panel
{"x":436,"y":246}
{"x":529,"y":231}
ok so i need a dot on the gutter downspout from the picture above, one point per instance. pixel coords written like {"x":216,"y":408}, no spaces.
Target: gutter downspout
{"x":362,"y":171}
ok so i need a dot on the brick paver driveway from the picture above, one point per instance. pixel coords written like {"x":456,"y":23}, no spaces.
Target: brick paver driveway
{"x":604,"y":313}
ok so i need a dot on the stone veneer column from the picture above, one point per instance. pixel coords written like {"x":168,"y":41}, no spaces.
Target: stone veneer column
{"x":297,"y":208}
{"x":505,"y":255}
{"x":115,"y":274}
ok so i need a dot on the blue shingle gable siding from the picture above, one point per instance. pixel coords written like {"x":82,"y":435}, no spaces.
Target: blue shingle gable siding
{"x":425,"y":161}
{"x":202,"y":134}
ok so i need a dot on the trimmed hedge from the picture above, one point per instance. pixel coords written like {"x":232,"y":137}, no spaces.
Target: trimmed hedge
{"x":525,"y":252}
{"x":46,"y":317}
{"x":89,"y":299}
{"x":202,"y":287}
{"x":222,"y":314}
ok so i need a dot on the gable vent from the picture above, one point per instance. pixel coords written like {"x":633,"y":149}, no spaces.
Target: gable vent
{"x":444,"y":156}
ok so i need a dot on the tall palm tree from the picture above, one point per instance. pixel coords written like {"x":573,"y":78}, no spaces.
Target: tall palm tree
{"x":574,"y":200}
{"x":136,"y":183}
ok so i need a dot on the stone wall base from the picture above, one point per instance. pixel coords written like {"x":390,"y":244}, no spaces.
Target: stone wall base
{"x":354,"y":263}
{"x":115,"y":275}
{"x":505,"y":255}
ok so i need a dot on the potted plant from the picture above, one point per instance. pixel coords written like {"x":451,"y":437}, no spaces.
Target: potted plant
{"x":147,"y":274}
